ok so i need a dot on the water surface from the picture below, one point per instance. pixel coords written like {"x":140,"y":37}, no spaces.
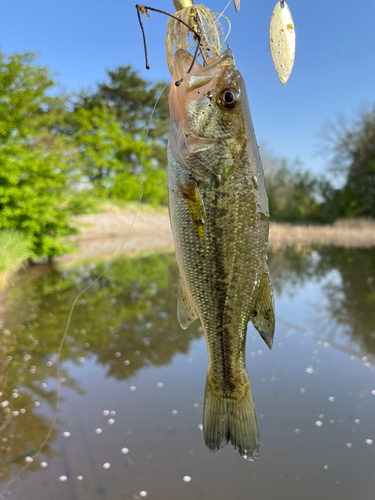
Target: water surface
{"x":132,"y":384}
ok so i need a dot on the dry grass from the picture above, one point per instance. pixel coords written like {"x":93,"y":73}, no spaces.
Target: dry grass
{"x":346,"y":233}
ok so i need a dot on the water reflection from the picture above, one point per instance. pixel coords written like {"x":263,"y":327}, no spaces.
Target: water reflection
{"x":349,"y":294}
{"x":127,"y":321}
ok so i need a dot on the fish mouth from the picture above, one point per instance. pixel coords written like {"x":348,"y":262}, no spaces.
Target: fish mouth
{"x":199,"y":75}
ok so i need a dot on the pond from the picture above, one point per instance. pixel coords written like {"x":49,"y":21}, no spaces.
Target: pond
{"x":132,"y":384}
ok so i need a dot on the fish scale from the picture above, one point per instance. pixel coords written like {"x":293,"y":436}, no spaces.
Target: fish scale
{"x":219,"y":218}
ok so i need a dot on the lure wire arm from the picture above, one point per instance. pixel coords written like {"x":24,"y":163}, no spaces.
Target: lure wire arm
{"x":142,"y":9}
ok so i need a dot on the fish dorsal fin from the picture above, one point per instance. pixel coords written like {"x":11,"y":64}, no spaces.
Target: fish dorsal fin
{"x":263,"y":317}
{"x":185,"y":312}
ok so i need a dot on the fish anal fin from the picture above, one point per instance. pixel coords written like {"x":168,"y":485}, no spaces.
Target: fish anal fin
{"x":195,"y":207}
{"x":263,"y":316}
{"x":185,"y":312}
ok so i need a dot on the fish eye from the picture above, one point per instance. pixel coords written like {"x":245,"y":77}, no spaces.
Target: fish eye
{"x":229,"y":98}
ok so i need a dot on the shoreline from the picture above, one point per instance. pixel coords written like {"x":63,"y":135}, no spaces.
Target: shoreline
{"x":103,"y":236}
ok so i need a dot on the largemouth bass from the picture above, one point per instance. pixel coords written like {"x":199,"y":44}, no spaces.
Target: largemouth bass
{"x":219,"y":216}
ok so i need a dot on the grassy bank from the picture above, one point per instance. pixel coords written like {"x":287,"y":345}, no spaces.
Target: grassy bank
{"x":344,"y":233}
{"x":14,"y":249}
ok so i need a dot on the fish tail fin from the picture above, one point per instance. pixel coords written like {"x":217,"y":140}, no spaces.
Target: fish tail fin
{"x":231,"y":419}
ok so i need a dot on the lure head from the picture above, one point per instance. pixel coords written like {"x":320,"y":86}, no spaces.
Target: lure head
{"x":206,"y":103}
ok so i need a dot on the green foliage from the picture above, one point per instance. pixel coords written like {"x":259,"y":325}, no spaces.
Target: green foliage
{"x":36,"y":160}
{"x":292,"y":195}
{"x":132,"y":100}
{"x":14,"y":248}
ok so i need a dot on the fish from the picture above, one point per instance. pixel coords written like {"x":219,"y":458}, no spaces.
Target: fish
{"x":220,"y":220}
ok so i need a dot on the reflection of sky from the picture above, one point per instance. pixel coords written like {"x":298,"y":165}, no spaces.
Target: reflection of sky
{"x":334,"y":70}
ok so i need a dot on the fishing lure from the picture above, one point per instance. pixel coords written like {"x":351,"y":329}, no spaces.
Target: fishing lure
{"x":282,"y":40}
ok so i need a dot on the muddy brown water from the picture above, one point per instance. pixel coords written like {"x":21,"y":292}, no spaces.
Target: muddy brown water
{"x":132,"y":383}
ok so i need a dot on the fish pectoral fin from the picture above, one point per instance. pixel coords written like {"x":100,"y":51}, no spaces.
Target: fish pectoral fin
{"x":185,"y":312}
{"x":263,"y":317}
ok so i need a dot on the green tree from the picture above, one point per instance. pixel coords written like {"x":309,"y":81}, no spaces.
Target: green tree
{"x":132,"y":100}
{"x":37,"y":161}
{"x":112,"y":159}
{"x":352,"y":145}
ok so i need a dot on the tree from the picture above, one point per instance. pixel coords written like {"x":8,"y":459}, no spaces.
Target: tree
{"x":36,"y":160}
{"x":132,"y":100}
{"x":352,"y":145}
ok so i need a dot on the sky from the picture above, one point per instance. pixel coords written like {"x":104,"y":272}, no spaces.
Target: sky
{"x":334,"y":70}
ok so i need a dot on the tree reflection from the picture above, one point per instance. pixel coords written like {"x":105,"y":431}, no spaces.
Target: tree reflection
{"x":351,"y":298}
{"x":125,"y":321}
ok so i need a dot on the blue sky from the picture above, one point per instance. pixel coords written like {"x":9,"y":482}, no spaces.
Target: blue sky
{"x":334,"y":70}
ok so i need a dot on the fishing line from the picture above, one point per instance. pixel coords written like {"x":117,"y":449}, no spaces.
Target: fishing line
{"x":58,"y":390}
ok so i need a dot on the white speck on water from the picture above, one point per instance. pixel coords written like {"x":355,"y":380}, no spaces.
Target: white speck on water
{"x":349,"y":445}
{"x":315,"y":352}
{"x":111,"y":421}
{"x":66,"y":434}
{"x":81,"y":359}
{"x":302,"y":390}
{"x":44,"y":464}
{"x":191,"y":360}
{"x":98,"y":430}
{"x":22,"y":410}
{"x":160,"y":385}
{"x":37,"y":403}
{"x":15,"y":395}
{"x":137,"y":353}
{"x":200,"y":427}
{"x":4,"y":404}
{"x":15,"y":413}
{"x":309,"y":369}
{"x":113,"y":413}
{"x":124,"y":451}
{"x":143,"y":493}
{"x":331,"y":398}
{"x":117,"y":354}
{"x":62,"y":478}
{"x":196,"y":405}
{"x":364,"y":358}
{"x":126,"y":362}
{"x":297,"y":431}
{"x":260,"y":352}
{"x":357,"y":421}
{"x":369,"y":441}
{"x":174,"y":412}
{"x":107,"y":465}
{"x":79,"y":478}
{"x":106,"y":412}
{"x":187,"y":479}
{"x":325,"y":467}
{"x":321,"y":416}
{"x":49,"y":363}
{"x":318,"y":423}
{"x":332,"y":422}
{"x":82,"y":332}
{"x":132,"y":388}
{"x":43,"y":385}
{"x":373,"y":392}
{"x":28,"y":460}
{"x":273,"y":379}
{"x":326,"y":344}
{"x":253,"y":354}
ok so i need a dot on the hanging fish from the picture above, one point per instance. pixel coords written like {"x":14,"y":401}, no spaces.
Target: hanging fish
{"x":219,"y":217}
{"x":282,"y":40}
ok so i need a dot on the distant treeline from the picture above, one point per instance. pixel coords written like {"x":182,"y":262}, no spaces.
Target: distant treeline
{"x":60,"y":153}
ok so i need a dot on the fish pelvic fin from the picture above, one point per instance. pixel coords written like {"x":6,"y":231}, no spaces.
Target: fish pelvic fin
{"x":263,"y":316}
{"x":231,"y":419}
{"x":185,"y":312}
